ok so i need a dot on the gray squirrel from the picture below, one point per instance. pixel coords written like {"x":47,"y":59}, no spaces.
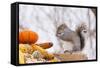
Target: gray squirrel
{"x":76,"y":37}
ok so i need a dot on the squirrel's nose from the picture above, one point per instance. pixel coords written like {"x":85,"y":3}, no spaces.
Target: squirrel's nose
{"x":56,"y":34}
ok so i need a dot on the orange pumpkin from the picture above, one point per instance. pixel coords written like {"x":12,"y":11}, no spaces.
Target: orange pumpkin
{"x":28,"y":37}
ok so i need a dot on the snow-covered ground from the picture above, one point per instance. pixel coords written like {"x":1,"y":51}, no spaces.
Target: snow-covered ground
{"x":45,"y":19}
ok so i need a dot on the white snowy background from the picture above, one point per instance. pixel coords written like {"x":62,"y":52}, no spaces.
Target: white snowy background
{"x":45,"y":19}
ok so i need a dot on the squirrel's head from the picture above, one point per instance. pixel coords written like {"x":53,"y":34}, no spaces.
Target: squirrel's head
{"x":60,"y":30}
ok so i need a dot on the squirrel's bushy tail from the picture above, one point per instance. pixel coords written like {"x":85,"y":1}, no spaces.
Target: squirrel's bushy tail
{"x":79,"y":29}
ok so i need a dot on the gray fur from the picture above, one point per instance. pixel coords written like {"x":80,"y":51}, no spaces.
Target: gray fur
{"x":66,"y":34}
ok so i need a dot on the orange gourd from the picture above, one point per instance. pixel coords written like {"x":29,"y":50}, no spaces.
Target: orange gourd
{"x":28,"y":37}
{"x":45,"y":45}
